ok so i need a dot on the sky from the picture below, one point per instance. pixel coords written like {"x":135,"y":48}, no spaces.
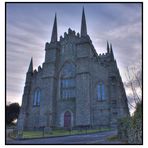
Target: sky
{"x":29,"y":26}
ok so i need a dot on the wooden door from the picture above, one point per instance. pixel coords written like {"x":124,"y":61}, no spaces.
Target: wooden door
{"x":67,"y":119}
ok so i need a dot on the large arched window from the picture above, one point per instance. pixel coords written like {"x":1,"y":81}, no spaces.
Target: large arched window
{"x":67,"y":82}
{"x":101,"y":91}
{"x":37,"y":97}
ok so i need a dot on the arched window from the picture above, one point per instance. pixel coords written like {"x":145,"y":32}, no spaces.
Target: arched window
{"x":37,"y":97}
{"x":101,"y":91}
{"x":67,"y":81}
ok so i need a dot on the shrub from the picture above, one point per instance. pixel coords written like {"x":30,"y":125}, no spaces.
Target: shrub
{"x":130,"y":128}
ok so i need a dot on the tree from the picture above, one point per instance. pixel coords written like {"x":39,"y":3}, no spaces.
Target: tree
{"x":130,"y":128}
{"x":12,"y":112}
{"x":134,"y":85}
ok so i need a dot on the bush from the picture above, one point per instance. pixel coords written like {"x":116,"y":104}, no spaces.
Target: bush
{"x":135,"y":132}
{"x":130,"y":128}
{"x":123,"y":125}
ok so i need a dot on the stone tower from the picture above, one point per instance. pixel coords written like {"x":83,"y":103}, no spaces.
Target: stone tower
{"x":74,"y":86}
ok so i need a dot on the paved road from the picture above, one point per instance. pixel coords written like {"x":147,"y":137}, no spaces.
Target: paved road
{"x":97,"y":138}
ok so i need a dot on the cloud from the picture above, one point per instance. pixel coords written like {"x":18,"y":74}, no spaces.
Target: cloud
{"x":122,"y":32}
{"x":126,"y":41}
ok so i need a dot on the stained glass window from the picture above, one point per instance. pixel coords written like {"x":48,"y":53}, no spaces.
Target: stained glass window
{"x":68,"y":81}
{"x":68,"y":88}
{"x":101,"y":91}
{"x":37,"y":97}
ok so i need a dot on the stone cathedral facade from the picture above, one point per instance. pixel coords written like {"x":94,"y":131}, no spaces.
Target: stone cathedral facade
{"x":74,"y":87}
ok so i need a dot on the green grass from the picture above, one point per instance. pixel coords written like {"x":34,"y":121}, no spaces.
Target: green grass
{"x":112,"y":138}
{"x":38,"y":134}
{"x":32,"y":134}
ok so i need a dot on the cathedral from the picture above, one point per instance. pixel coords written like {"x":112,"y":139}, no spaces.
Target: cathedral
{"x":74,"y":86}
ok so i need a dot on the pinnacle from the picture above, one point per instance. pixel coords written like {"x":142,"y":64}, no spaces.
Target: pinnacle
{"x":30,"y":69}
{"x":83,"y":25}
{"x":54,"y":30}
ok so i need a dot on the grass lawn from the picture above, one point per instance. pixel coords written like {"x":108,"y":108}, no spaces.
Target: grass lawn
{"x":113,"y":138}
{"x":38,"y":134}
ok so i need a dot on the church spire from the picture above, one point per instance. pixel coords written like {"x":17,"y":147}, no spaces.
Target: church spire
{"x":54,"y":30}
{"x":30,"y":69}
{"x":83,"y":25}
{"x":107,"y":47}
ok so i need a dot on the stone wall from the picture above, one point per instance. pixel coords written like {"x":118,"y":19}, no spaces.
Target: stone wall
{"x":91,"y":69}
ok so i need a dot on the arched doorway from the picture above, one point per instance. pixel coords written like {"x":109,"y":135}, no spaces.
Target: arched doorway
{"x":67,"y":119}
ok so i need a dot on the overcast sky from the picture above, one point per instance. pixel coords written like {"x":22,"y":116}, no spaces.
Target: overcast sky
{"x":29,"y":27}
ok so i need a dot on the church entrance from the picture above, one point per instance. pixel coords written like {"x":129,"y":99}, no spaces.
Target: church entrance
{"x":67,"y":119}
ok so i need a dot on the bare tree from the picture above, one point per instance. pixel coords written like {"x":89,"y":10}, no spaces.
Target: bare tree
{"x":134,"y":84}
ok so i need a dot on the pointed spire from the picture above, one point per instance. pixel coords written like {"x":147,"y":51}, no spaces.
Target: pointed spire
{"x":30,"y":69}
{"x":83,"y":25}
{"x":54,"y":31}
{"x":111,"y":51}
{"x":107,"y":47}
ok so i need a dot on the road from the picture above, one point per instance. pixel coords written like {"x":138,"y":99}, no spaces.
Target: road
{"x":96,"y":138}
